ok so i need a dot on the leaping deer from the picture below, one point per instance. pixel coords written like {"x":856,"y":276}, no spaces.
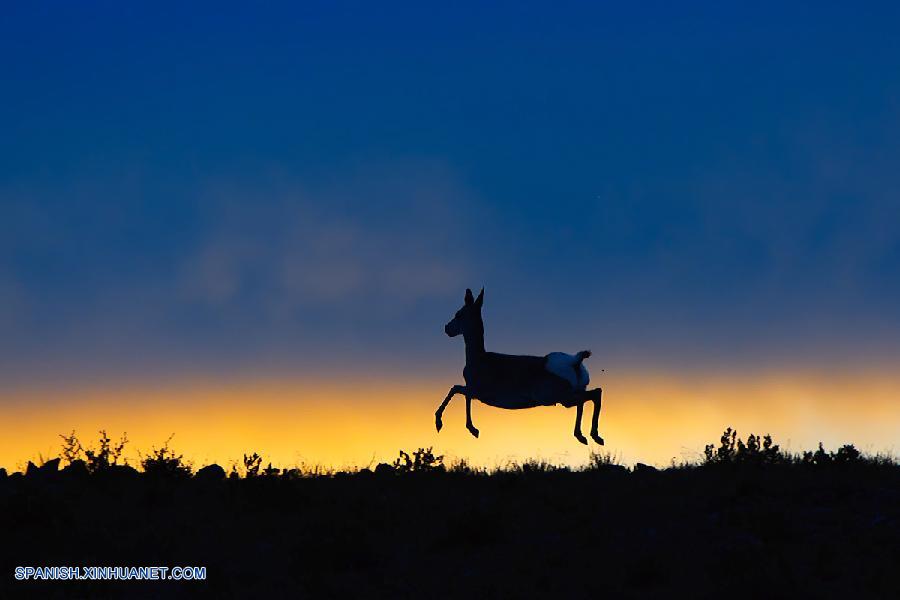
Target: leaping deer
{"x":509,"y":381}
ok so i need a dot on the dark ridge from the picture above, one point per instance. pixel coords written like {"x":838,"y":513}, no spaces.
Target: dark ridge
{"x":749,"y":518}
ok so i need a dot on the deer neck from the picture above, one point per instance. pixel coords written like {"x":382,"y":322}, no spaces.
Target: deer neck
{"x":474,"y":344}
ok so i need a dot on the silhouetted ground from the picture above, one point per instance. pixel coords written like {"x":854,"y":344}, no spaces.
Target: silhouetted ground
{"x":727,"y":528}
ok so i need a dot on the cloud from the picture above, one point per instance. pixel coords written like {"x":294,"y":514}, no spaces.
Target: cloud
{"x":370,"y":241}
{"x":226,"y":271}
{"x":213,"y":274}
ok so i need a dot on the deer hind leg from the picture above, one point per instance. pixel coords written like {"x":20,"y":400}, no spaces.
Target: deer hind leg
{"x":597,"y":396}
{"x":456,"y":389}
{"x":469,"y":425}
{"x":579,"y":408}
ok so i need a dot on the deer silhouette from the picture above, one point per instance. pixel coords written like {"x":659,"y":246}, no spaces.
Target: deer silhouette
{"x":514,"y":382}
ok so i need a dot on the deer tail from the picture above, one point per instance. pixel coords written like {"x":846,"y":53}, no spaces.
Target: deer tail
{"x":581,"y":356}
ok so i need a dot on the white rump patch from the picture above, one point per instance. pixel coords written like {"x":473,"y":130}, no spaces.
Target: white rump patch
{"x":563,"y":365}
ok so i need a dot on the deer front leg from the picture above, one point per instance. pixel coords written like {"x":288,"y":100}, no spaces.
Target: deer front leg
{"x":456,"y":389}
{"x":469,"y":425}
{"x":579,"y":408}
{"x":597,"y":397}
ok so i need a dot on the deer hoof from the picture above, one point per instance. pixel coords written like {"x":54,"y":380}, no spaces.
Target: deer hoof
{"x":597,"y":438}
{"x":438,"y":423}
{"x":580,"y":437}
{"x":473,"y":431}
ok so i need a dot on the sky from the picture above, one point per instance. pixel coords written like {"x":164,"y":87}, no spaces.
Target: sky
{"x":227,"y":209}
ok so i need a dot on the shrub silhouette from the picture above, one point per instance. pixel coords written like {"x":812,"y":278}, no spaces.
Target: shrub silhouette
{"x":102,"y":459}
{"x":845,"y":455}
{"x":163,"y":462}
{"x":603,"y":460}
{"x":820,"y":457}
{"x":534,"y":465}
{"x":252,"y":464}
{"x":732,"y":450}
{"x":71,"y":448}
{"x":422,"y":460}
{"x":463,"y":467}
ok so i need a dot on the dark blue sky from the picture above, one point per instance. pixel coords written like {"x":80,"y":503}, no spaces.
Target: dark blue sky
{"x":237,"y":187}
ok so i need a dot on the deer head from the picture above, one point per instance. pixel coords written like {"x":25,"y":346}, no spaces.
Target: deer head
{"x":467,"y":320}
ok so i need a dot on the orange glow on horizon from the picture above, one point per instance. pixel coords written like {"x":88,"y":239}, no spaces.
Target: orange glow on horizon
{"x":649,"y":418}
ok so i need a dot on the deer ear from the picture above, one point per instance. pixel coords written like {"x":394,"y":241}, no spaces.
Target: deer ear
{"x":480,"y":299}
{"x":469,"y":298}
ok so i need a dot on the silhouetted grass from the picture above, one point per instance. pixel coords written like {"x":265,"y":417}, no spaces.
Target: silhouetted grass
{"x":748,"y":518}
{"x":731,"y":452}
